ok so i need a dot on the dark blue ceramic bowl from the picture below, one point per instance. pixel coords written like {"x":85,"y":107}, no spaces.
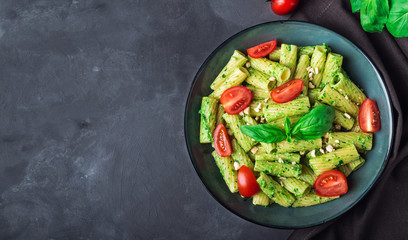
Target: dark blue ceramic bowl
{"x":360,"y":69}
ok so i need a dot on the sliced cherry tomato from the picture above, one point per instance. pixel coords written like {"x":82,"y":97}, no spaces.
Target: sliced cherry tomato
{"x":369,"y":116}
{"x":283,"y":7}
{"x":262,"y":49}
{"x":331,"y":183}
{"x":235,"y":99}
{"x":222,"y":142}
{"x":287,"y":91}
{"x":247,"y":184}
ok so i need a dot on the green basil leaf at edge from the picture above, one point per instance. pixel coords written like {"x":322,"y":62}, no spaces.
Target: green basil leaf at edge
{"x":264,"y":133}
{"x":287,"y":130}
{"x":315,"y":124}
{"x":355,"y":5}
{"x":397,"y":23}
{"x":374,"y":15}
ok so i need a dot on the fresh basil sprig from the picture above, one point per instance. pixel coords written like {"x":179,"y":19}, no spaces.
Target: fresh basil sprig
{"x":375,"y":14}
{"x":397,"y":23}
{"x":315,"y":124}
{"x":264,"y":133}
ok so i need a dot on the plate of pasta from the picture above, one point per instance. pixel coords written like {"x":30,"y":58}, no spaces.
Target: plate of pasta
{"x":288,"y":124}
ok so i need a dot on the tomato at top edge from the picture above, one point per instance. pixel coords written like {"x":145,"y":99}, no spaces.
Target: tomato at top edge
{"x":369,"y":116}
{"x":283,"y":7}
{"x":236,"y":99}
{"x":262,"y":49}
{"x":222,"y":142}
{"x":330,"y":184}
{"x":288,"y":91}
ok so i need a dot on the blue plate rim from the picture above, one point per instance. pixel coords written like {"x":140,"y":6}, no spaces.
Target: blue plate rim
{"x":388,"y":101}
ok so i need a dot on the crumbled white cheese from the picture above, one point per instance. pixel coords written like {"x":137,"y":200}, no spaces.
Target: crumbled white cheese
{"x":236,"y":166}
{"x":272,"y":79}
{"x":321,"y":150}
{"x":346,"y":97}
{"x":280,"y":160}
{"x":293,"y":163}
{"x":282,"y":178}
{"x":241,"y":113}
{"x":311,"y":85}
{"x":302,"y":152}
{"x":336,"y":141}
{"x":329,"y":148}
{"x":254,"y":150}
{"x":246,"y":110}
{"x":247,"y":65}
{"x":340,"y":90}
{"x":266,"y":99}
{"x":310,"y":70}
{"x":310,"y":75}
{"x":281,"y":183}
{"x":258,"y":108}
{"x":313,"y":153}
{"x":347,"y":115}
{"x":316,"y":70}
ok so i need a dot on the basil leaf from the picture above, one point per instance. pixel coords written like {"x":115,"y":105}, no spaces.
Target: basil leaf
{"x":315,"y":124}
{"x":397,"y":23}
{"x":355,"y":5}
{"x":264,"y":133}
{"x":287,"y":130}
{"x":374,"y":15}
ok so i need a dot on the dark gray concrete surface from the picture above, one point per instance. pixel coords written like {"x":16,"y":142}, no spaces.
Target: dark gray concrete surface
{"x":92,"y":97}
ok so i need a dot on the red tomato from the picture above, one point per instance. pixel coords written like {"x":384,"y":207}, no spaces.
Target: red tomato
{"x":235,"y":99}
{"x":283,"y":7}
{"x":262,"y":49}
{"x":247,"y":184}
{"x":369,"y":116}
{"x":331,"y":183}
{"x":222,"y":142}
{"x":288,"y":91}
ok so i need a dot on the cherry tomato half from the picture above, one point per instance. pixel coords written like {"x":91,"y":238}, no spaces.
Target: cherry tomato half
{"x":331,"y":183}
{"x":369,"y":116}
{"x":283,"y":7}
{"x":247,"y":184}
{"x":222,"y":142}
{"x":288,"y":91}
{"x":235,"y":99}
{"x":262,"y":49}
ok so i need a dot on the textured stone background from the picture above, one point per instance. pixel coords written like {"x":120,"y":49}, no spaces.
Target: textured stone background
{"x":92,"y":97}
